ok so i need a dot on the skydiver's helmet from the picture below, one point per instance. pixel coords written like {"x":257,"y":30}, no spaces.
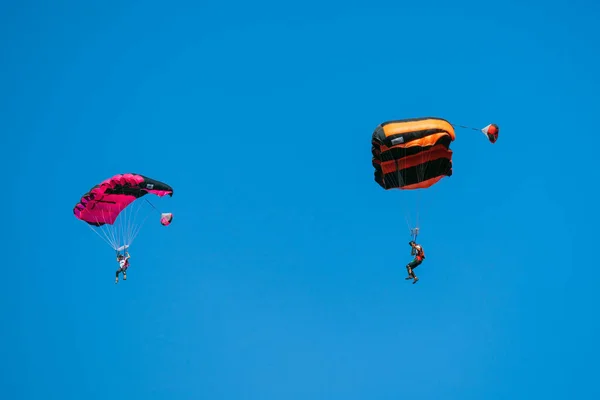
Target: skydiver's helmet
{"x":120,"y":257}
{"x":412,"y":243}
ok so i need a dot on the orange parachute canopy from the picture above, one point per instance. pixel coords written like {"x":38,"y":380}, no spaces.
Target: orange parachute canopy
{"x":412,"y":153}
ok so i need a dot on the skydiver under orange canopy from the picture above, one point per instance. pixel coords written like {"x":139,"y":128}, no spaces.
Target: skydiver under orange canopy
{"x":419,"y":254}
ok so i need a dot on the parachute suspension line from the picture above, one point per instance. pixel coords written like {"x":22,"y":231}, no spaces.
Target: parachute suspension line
{"x":465,"y":127}
{"x":421,"y":169}
{"x":118,"y":227}
{"x":417,"y":213}
{"x":107,"y":231}
{"x":130,"y":219}
{"x":124,"y":230}
{"x":408,"y":225}
{"x":130,"y":228}
{"x":101,"y":236}
{"x":133,"y":228}
{"x":125,"y":226}
{"x":400,"y":182}
{"x":132,"y":225}
{"x":152,"y":205}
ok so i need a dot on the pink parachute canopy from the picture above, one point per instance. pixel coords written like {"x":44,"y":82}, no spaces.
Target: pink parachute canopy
{"x":103,"y":203}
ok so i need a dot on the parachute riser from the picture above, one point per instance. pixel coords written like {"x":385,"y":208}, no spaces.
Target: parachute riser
{"x":414,"y":233}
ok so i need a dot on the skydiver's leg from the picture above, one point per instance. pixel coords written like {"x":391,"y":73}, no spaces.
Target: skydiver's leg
{"x":415,"y":263}
{"x":410,"y":268}
{"x":117,"y":275}
{"x":125,"y":274}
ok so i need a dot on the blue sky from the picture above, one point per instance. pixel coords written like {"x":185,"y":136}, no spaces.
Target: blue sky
{"x":282,"y":275}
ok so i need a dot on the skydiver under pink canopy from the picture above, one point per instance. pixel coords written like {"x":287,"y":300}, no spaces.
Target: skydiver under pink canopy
{"x":123,"y":261}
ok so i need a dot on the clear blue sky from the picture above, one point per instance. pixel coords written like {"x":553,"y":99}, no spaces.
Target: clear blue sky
{"x":282,"y":275}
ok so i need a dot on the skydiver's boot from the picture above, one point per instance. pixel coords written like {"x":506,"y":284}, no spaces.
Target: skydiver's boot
{"x":116,"y":280}
{"x":416,"y":280}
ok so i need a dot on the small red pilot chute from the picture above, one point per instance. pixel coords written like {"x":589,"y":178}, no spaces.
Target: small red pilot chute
{"x":491,"y":131}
